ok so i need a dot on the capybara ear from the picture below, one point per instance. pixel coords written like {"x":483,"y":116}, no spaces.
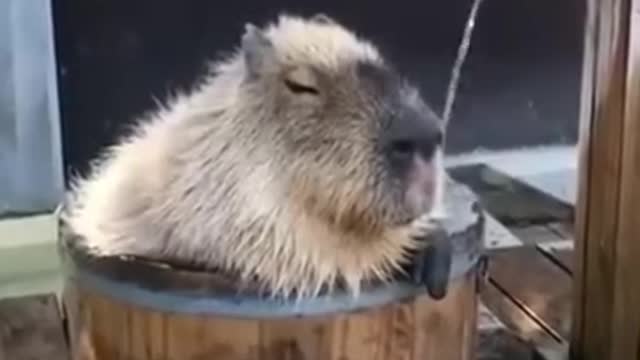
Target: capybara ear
{"x":324,"y":19}
{"x":259,"y":52}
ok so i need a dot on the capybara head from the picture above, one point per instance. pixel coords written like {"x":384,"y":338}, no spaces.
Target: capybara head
{"x":358,"y":145}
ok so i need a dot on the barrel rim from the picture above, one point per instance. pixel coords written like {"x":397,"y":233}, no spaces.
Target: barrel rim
{"x":178,"y":289}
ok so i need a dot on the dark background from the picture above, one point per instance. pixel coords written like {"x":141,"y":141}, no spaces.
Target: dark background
{"x":519,"y":87}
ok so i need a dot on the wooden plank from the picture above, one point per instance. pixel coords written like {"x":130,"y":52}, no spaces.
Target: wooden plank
{"x":626,"y":305}
{"x":513,"y":317}
{"x":563,"y":229}
{"x":497,"y":235}
{"x":487,"y":320}
{"x":502,"y":344}
{"x":607,"y":316}
{"x":417,"y":329}
{"x":561,"y":253}
{"x":553,"y":352}
{"x":565,"y":257}
{"x":581,"y":345}
{"x":535,"y":234}
{"x":537,"y":285}
{"x":510,"y":200}
{"x":291,"y":339}
{"x":31,"y":328}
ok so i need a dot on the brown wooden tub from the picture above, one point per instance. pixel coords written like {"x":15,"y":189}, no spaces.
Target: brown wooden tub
{"x":129,"y":309}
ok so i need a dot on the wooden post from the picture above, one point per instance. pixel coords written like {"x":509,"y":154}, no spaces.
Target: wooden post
{"x":607,"y":292}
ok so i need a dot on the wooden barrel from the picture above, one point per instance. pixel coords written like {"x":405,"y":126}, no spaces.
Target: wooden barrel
{"x":129,"y":309}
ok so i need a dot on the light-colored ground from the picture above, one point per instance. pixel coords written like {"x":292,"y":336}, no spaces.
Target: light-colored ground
{"x":28,"y":257}
{"x":29,"y":261}
{"x":549,"y":168}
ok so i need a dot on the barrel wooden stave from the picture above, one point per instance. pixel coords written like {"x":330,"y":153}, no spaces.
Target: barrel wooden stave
{"x":103,"y":328}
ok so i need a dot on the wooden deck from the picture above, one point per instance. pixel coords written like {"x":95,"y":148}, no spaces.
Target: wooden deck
{"x":525,"y":304}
